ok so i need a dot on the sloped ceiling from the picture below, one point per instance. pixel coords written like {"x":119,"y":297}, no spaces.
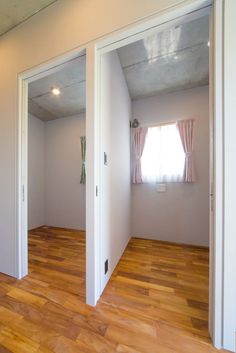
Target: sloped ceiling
{"x":14,"y":12}
{"x":175,"y":59}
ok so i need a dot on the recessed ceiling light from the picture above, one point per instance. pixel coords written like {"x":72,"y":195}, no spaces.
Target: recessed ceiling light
{"x":208,"y":43}
{"x":176,"y":57}
{"x":56,"y":91}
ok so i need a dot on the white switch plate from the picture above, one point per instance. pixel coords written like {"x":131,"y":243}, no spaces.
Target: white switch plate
{"x":161,"y":187}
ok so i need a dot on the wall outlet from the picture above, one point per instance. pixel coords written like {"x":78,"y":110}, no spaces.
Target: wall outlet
{"x":106,"y":266}
{"x":161,"y":187}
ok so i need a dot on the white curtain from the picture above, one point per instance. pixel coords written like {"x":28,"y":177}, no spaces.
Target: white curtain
{"x":163,"y":156}
{"x":139,"y":138}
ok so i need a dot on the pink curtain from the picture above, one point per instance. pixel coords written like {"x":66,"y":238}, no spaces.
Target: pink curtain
{"x":139,"y":137}
{"x":185,"y":128}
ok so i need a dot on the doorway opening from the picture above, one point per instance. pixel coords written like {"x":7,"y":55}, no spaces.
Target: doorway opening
{"x":155,"y":97}
{"x":55,"y":187}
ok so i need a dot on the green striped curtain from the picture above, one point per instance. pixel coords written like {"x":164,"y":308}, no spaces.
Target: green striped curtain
{"x":83,"y":155}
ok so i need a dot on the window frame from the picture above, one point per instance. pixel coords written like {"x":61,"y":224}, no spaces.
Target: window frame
{"x":163,"y":178}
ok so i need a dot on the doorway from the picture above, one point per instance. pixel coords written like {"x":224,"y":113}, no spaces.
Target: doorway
{"x":164,"y":204}
{"x":106,"y":48}
{"x":54,"y":175}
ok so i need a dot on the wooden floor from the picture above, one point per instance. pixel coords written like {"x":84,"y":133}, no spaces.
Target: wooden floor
{"x":155,"y":302}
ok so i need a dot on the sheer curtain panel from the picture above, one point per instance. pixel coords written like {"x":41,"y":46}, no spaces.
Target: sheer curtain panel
{"x":185,"y":128}
{"x":139,"y":138}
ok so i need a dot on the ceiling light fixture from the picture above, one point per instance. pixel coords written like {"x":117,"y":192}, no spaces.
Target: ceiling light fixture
{"x":56,"y":91}
{"x":208,"y":43}
{"x":176,"y":57}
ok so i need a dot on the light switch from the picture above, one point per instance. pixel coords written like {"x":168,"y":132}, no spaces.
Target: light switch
{"x":161,"y":188}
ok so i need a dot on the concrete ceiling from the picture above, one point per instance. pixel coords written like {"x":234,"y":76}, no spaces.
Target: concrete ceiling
{"x":14,"y":12}
{"x":70,"y":79}
{"x":174,"y":59}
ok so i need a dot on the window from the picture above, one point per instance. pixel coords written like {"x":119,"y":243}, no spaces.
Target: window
{"x":163,"y":157}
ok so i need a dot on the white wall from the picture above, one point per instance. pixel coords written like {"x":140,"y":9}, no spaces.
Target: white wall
{"x":56,"y":197}
{"x":115,"y":193}
{"x":229,"y":173}
{"x":36,"y":172}
{"x":64,"y":195}
{"x":181,"y":214}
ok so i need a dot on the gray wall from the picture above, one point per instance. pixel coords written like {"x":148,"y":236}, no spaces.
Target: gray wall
{"x":64,"y":195}
{"x":115,"y":193}
{"x":36,"y":172}
{"x":56,"y":197}
{"x":181,"y":214}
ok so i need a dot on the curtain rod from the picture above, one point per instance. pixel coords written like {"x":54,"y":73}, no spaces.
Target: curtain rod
{"x":157,"y":124}
{"x":162,"y":123}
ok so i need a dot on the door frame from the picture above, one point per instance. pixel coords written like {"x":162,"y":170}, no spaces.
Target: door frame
{"x":24,"y":79}
{"x":137,"y":32}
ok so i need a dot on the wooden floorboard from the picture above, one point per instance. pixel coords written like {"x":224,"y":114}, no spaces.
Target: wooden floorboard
{"x":155,"y":302}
